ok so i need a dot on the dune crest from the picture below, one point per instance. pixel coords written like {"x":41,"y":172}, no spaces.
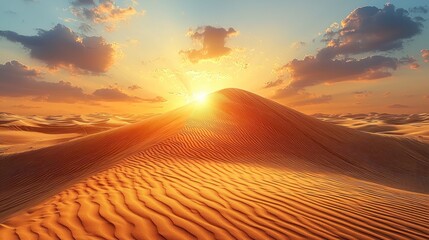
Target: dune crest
{"x":238,"y":167}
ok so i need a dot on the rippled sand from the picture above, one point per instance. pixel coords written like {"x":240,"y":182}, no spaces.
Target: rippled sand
{"x":237,"y":167}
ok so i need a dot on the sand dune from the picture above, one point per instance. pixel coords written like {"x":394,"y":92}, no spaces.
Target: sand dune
{"x":238,"y":167}
{"x":410,"y":125}
{"x":22,"y":133}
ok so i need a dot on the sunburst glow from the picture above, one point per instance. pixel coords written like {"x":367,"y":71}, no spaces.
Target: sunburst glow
{"x":199,"y":97}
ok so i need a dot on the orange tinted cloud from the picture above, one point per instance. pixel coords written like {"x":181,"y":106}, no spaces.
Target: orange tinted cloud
{"x":425,"y":54}
{"x":105,"y":12}
{"x":213,"y":42}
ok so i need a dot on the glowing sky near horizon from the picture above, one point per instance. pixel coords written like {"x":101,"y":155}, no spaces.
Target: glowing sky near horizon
{"x":132,"y":56}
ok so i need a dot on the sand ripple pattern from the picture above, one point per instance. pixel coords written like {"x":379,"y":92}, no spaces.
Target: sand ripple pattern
{"x":220,"y":178}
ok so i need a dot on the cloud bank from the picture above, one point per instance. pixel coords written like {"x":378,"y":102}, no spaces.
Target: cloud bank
{"x":18,"y":80}
{"x":366,"y":30}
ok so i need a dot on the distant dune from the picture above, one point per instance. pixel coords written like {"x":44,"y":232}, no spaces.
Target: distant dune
{"x":236,"y":167}
{"x":22,"y":133}
{"x":410,"y":125}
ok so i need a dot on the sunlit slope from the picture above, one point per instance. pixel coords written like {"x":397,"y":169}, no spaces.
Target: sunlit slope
{"x":237,"y":166}
{"x":396,"y":161}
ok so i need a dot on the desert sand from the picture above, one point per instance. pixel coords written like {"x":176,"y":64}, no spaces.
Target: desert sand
{"x":22,"y":133}
{"x":235,"y":167}
{"x":410,"y":125}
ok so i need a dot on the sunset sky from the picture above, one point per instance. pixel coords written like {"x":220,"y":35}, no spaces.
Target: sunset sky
{"x":132,"y":56}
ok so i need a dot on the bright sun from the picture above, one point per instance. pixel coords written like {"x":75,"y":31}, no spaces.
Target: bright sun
{"x":199,"y":97}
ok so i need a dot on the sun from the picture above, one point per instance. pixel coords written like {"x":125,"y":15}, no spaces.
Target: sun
{"x":200,"y":97}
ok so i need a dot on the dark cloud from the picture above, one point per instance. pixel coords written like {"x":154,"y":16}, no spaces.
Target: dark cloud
{"x":398,"y":106}
{"x":313,"y":71}
{"x":275,"y":83}
{"x":419,"y":9}
{"x":61,"y":47}
{"x":213,"y":42}
{"x":364,"y":31}
{"x":18,"y":80}
{"x":425,"y":54}
{"x":370,"y":29}
{"x":419,"y":19}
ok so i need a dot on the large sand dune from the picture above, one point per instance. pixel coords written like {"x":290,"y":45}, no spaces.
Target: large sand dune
{"x":237,"y":167}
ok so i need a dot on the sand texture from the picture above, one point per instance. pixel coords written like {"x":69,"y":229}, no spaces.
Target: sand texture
{"x":236,"y":167}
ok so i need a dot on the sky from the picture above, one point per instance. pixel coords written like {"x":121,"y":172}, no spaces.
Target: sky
{"x":138,"y":57}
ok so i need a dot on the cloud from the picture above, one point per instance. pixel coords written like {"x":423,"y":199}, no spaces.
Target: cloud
{"x":425,"y":54}
{"x":18,"y":80}
{"x":275,"y":83}
{"x":301,"y":96}
{"x":366,"y":30}
{"x":313,"y":71}
{"x":369,"y":29}
{"x":85,"y":28}
{"x":419,"y":9}
{"x":134,"y":87}
{"x":398,"y":106}
{"x":213,"y":42}
{"x":105,"y":12}
{"x":61,"y":47}
{"x":114,"y":95}
{"x":362,"y":94}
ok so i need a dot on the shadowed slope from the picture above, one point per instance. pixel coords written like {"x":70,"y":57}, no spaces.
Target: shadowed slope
{"x":28,"y":177}
{"x":239,"y":167}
